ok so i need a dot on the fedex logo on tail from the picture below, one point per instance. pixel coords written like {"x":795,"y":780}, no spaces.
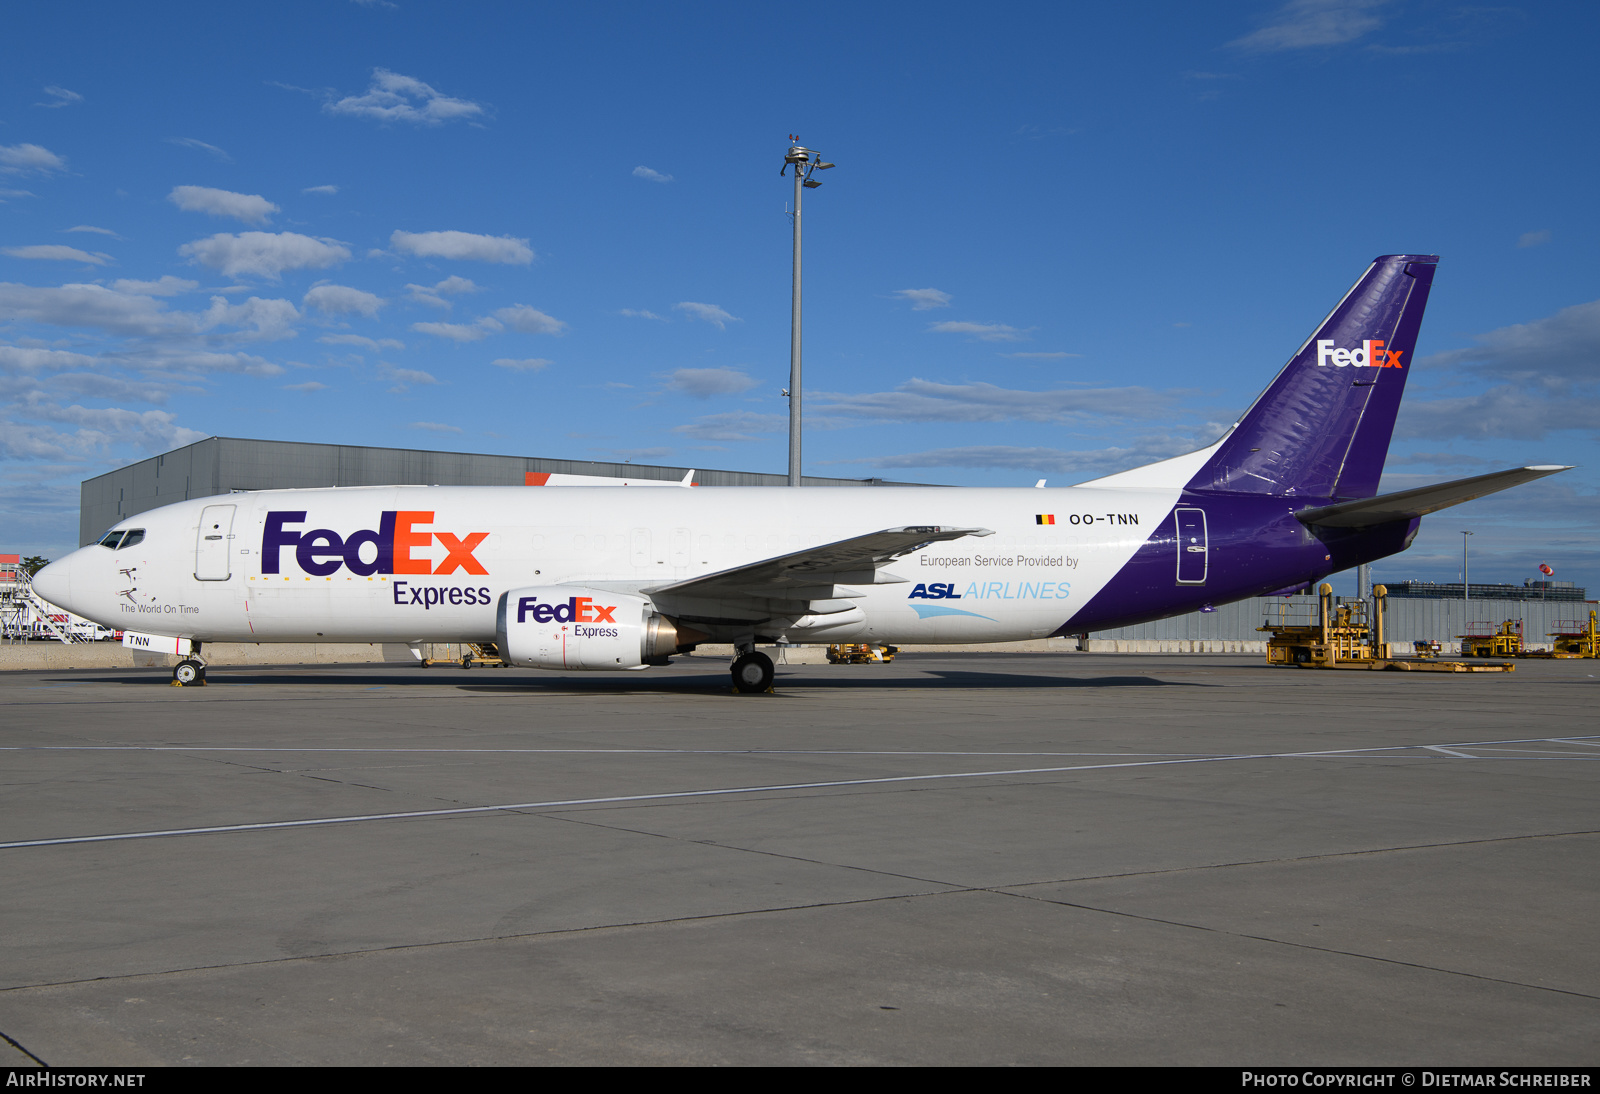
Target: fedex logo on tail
{"x":1370,"y":354}
{"x":321,"y":551}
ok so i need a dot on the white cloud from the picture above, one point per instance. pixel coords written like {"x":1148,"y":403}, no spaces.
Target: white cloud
{"x":461,"y":332}
{"x":99,"y":429}
{"x":520,"y":317}
{"x":436,"y":427}
{"x":330,"y":189}
{"x":190,"y":142}
{"x":703,"y":383}
{"x":358,"y":340}
{"x":272,"y":319}
{"x":392,"y":97}
{"x":306,"y":388}
{"x":737,"y":425}
{"x":166,"y":286}
{"x":463,"y":245}
{"x":92,"y":228}
{"x":630,"y":312}
{"x":924,"y":299}
{"x":1534,"y":239}
{"x":60,"y":97}
{"x":57,"y":252}
{"x":649,"y":175}
{"x":1505,"y":412}
{"x":404,"y":377}
{"x":343,"y":300}
{"x":38,"y":358}
{"x":927,"y":401}
{"x":987,"y":332}
{"x":85,"y":306}
{"x":1566,"y":344}
{"x":250,"y":208}
{"x":433,"y":295}
{"x":16,"y":159}
{"x":1300,"y":24}
{"x":531,"y":364}
{"x":264,"y":254}
{"x":709,"y":312}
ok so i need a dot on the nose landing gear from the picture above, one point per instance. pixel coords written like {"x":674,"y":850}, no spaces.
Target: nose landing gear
{"x":189,"y":673}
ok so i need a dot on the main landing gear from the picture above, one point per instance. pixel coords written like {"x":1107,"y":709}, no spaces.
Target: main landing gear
{"x":752,"y":673}
{"x":189,"y":673}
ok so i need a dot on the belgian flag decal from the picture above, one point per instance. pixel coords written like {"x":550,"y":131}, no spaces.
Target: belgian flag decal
{"x":1045,"y":518}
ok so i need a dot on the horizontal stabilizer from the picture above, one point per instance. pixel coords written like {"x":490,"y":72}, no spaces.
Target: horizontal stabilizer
{"x":1408,"y":504}
{"x":802,"y":570}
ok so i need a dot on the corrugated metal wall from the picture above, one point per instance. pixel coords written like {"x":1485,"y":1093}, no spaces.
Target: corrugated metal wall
{"x":220,"y":464}
{"x":1407,"y":619}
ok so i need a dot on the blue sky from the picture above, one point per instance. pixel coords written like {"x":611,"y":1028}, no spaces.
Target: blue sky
{"x":1061,"y":239}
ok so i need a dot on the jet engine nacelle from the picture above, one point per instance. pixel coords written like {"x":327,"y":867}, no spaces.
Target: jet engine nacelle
{"x":571,"y":627}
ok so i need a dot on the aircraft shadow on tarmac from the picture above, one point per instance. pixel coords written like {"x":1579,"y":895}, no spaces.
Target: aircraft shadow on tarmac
{"x":703,"y":682}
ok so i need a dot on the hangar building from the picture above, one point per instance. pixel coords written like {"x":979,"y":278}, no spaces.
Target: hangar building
{"x":218,"y":465}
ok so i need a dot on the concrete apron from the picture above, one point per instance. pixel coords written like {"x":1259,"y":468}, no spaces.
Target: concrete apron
{"x":106,"y":655}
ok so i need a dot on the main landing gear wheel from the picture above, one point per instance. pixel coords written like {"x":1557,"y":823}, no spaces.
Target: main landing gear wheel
{"x":188,"y":673}
{"x":752,"y":673}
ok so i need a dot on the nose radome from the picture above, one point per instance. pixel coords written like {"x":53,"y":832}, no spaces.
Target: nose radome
{"x":54,"y":583}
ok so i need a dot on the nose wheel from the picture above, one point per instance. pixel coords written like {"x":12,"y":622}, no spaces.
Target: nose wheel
{"x":189,"y":673}
{"x":752,"y":673}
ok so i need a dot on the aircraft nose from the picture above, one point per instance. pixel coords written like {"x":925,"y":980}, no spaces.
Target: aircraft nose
{"x":54,"y":583}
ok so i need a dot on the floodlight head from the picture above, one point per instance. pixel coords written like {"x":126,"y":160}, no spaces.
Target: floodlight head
{"x":810,"y":184}
{"x":823,"y":166}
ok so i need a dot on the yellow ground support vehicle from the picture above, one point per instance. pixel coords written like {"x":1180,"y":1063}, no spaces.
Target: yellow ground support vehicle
{"x":1487,"y":640}
{"x":475,"y":653}
{"x":861,"y":654}
{"x":1338,"y":637}
{"x":1574,"y":638}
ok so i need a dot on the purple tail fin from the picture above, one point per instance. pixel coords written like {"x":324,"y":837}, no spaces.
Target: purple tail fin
{"x":1322,"y":428}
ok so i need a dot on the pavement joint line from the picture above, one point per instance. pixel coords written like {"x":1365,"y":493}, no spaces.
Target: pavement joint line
{"x":1591,"y":741}
{"x":1312,"y":948}
{"x":664,"y":796}
{"x":952,"y":886}
{"x":18,"y":1045}
{"x":479,"y":940}
{"x":1397,"y":848}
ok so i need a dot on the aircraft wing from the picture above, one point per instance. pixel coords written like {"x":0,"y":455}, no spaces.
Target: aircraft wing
{"x":1407,"y":504}
{"x":815,"y":572}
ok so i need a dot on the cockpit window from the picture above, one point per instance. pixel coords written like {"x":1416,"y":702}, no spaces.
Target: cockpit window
{"x":119,"y":538}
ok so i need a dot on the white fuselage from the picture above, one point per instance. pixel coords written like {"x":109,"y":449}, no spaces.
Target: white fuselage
{"x":243,"y":568}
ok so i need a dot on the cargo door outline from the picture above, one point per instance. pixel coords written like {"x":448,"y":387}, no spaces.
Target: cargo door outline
{"x":213,"y":544}
{"x":1193,"y":552}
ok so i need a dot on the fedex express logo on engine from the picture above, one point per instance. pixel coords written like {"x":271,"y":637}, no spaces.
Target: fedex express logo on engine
{"x":577,"y":609}
{"x":1370,"y":354}
{"x":321,"y":551}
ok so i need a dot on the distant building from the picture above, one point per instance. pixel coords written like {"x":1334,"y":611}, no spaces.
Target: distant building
{"x":218,"y":465}
{"x":1528,"y":590}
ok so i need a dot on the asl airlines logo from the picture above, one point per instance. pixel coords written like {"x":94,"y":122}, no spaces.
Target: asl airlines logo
{"x":1371,"y":354}
{"x":321,"y":551}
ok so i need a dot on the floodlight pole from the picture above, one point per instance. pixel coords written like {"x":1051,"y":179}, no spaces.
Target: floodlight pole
{"x":794,"y":336}
{"x":805,"y":161}
{"x":1466,"y":589}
